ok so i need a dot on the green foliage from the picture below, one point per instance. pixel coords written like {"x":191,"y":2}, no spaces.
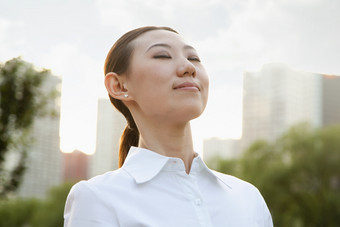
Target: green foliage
{"x":298,"y":175}
{"x":33,"y":212}
{"x":51,"y":212}
{"x":17,"y":212}
{"x":22,"y":100}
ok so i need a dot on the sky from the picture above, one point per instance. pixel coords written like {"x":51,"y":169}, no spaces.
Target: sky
{"x":73,"y":37}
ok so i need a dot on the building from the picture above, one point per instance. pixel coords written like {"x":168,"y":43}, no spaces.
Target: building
{"x":220,"y":148}
{"x":75,"y":166}
{"x":277,"y":97}
{"x":110,"y":126}
{"x":330,"y":99}
{"x":44,"y":167}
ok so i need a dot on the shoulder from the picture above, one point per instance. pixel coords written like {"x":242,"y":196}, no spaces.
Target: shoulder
{"x":237,"y":185}
{"x":99,"y":190}
{"x":89,"y":189}
{"x":231,"y":181}
{"x":247,"y":196}
{"x":88,"y":201}
{"x":107,"y":182}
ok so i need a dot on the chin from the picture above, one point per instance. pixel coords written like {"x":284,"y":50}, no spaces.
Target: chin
{"x":188,"y":114}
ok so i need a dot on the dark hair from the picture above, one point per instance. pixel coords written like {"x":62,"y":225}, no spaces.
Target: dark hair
{"x":117,"y":61}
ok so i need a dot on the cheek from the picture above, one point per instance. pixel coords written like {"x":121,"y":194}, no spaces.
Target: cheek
{"x":207,"y":82}
{"x":151,"y":82}
{"x":153,"y":74}
{"x":204,"y":79}
{"x":205,"y":85}
{"x":149,"y":87}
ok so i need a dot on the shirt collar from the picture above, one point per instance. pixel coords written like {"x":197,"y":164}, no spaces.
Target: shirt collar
{"x":143,"y":164}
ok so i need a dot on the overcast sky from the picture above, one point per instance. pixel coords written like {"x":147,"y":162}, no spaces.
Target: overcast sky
{"x":72,"y":38}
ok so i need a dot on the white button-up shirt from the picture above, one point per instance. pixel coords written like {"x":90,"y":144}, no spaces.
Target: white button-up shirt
{"x":152,"y":190}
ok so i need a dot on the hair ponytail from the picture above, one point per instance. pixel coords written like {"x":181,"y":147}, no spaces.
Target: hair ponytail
{"x":130,"y":136}
{"x":117,"y":61}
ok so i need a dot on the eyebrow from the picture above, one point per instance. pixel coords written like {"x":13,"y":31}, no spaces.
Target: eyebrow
{"x":167,"y":46}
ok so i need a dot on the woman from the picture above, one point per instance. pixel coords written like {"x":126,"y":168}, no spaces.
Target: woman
{"x":156,"y":80}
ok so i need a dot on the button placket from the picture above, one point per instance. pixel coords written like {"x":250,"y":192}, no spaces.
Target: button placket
{"x":191,"y":188}
{"x":198,"y":202}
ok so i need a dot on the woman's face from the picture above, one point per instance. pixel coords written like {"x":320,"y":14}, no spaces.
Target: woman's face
{"x":166,"y":80}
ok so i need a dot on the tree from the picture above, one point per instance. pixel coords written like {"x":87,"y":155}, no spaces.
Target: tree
{"x":50,"y":213}
{"x":298,"y":175}
{"x":18,"y":212}
{"x":23,"y":98}
{"x":36,"y":212}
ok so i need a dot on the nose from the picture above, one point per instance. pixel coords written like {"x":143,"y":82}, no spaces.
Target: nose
{"x":186,"y":68}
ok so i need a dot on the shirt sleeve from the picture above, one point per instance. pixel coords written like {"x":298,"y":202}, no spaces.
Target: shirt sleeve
{"x":84,"y":208}
{"x":268,"y":222}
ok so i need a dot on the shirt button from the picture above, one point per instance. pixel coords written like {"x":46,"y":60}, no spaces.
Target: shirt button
{"x":198,"y":202}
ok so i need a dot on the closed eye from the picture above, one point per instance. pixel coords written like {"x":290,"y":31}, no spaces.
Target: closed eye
{"x":194,"y":59}
{"x":162,"y":56}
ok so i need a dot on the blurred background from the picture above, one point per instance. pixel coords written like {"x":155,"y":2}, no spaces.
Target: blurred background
{"x":273,"y":115}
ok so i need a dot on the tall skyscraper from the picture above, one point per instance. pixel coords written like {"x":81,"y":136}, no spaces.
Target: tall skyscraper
{"x":44,"y":157}
{"x":330,"y":99}
{"x":110,"y":126}
{"x":277,"y":97}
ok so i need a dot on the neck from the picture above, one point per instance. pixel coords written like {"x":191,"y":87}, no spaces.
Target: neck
{"x":171,"y":141}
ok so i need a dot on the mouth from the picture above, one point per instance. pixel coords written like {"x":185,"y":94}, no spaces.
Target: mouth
{"x":187,"y":86}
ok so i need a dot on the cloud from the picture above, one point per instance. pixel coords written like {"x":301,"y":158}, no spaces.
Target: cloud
{"x":300,"y":33}
{"x":4,"y":26}
{"x":303,"y":34}
{"x":9,"y":46}
{"x":197,"y":17}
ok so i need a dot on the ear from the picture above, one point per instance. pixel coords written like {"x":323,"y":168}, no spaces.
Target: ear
{"x":115,"y":86}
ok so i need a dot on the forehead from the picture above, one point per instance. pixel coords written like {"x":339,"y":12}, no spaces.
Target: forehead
{"x":159,"y":36}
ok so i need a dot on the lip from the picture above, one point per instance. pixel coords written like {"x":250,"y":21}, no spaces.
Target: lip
{"x":187,"y":86}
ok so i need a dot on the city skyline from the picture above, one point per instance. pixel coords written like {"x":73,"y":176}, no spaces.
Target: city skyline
{"x":72,"y":39}
{"x":278,"y":97}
